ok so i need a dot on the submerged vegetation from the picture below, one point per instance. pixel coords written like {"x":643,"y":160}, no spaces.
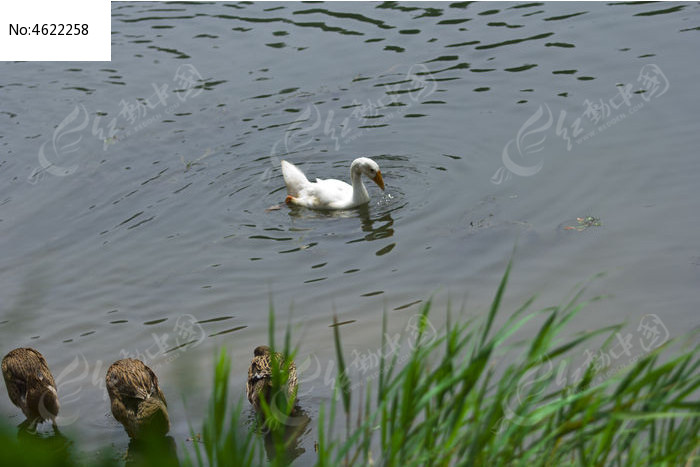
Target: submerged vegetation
{"x":457,"y":400}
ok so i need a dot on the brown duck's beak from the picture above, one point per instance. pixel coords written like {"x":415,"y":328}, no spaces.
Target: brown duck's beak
{"x":378,"y":179}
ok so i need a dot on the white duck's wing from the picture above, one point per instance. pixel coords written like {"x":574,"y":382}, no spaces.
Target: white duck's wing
{"x":330,"y":194}
{"x":294,"y":178}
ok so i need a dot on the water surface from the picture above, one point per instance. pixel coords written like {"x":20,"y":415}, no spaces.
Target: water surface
{"x":141,"y":200}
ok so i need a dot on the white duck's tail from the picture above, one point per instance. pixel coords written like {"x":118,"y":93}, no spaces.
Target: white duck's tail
{"x":294,"y":178}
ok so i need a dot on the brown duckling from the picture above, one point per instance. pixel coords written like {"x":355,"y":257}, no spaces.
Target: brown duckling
{"x":30,"y":385}
{"x":137,"y":401}
{"x":260,"y":376}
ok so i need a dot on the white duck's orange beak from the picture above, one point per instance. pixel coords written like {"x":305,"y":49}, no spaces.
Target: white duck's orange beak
{"x":378,"y":179}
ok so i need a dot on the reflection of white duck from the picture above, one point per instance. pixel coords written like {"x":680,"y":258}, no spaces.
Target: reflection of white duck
{"x":331,"y":193}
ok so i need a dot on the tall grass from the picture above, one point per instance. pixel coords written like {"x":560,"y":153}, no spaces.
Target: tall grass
{"x":225,"y":441}
{"x":460,"y":410}
{"x":452,"y":403}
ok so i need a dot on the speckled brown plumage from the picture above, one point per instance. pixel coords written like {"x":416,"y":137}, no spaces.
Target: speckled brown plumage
{"x":260,"y":376}
{"x":137,"y":401}
{"x":30,"y":384}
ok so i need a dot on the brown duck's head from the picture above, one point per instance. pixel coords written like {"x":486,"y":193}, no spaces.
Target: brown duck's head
{"x":48,"y":405}
{"x":260,"y":370}
{"x":260,"y":384}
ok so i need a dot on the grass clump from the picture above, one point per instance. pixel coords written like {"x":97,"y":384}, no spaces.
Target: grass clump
{"x":224,"y":440}
{"x":455,"y":402}
{"x":451,"y":404}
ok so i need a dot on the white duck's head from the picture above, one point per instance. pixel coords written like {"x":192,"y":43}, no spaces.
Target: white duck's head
{"x":365,"y":165}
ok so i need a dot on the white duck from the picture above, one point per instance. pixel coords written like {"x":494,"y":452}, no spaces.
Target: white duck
{"x":331,"y":193}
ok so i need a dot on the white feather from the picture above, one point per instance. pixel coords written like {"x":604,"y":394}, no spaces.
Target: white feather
{"x":294,"y":178}
{"x":331,"y":193}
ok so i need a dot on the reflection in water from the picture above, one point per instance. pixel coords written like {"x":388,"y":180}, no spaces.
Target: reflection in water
{"x":384,"y":228}
{"x":384,"y":221}
{"x":376,"y":228}
{"x":305,"y":213}
{"x":55,"y":442}
{"x":152,"y":451}
{"x":293,"y":434}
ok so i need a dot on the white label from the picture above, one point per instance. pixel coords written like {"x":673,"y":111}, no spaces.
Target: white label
{"x":58,"y":30}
